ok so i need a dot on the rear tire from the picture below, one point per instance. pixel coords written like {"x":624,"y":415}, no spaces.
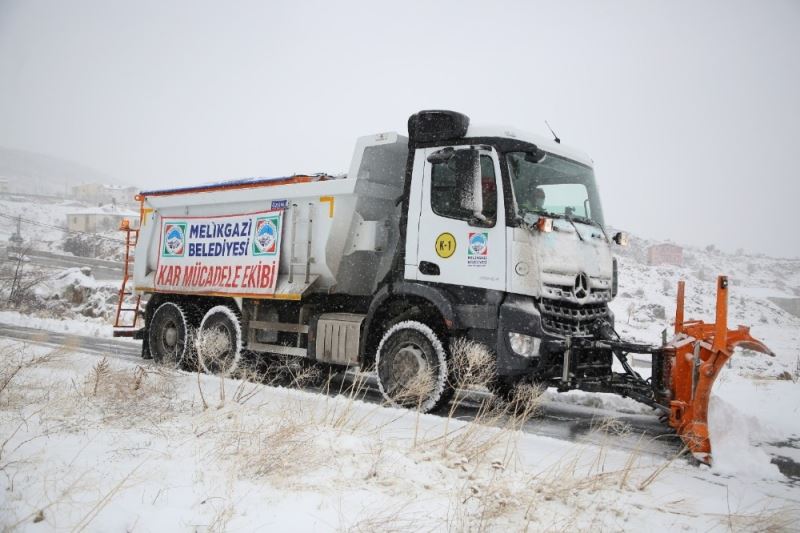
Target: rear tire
{"x":219,"y":346}
{"x":411,"y":364}
{"x":170,"y":335}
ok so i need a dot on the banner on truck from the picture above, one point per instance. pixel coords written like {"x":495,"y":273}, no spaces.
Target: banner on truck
{"x":236,"y":254}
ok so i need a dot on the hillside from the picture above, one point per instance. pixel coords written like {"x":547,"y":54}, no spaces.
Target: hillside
{"x":31,"y":172}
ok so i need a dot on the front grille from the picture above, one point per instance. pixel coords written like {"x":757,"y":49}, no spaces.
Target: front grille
{"x":565,"y":292}
{"x":568,"y":319}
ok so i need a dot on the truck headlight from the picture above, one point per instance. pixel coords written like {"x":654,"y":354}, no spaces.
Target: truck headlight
{"x":524,"y":345}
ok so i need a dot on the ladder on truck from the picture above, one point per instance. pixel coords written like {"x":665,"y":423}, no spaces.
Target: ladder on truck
{"x":128,"y":301}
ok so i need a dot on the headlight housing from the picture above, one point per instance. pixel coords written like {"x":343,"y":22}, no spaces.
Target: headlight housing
{"x":524,"y":345}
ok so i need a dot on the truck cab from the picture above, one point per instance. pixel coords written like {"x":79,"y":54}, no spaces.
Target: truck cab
{"x":509,"y":225}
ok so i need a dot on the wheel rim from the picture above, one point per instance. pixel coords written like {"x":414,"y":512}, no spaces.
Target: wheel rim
{"x":168,"y":334}
{"x":408,"y":363}
{"x":411,"y":366}
{"x":169,"y":337}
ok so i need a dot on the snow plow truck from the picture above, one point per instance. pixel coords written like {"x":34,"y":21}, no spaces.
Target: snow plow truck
{"x":457,"y":230}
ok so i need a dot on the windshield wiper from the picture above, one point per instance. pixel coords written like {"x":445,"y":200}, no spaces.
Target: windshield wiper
{"x":571,"y":221}
{"x":587,"y":220}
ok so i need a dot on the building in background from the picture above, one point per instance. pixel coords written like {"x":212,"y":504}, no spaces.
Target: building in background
{"x":100,"y":193}
{"x":98,"y":219}
{"x":665,"y":254}
{"x":5,"y":186}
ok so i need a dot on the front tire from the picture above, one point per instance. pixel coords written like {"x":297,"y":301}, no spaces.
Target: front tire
{"x":169,"y":335}
{"x":219,"y":343}
{"x":411,"y":365}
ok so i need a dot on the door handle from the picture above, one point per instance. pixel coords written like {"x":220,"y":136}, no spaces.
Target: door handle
{"x":428,"y":268}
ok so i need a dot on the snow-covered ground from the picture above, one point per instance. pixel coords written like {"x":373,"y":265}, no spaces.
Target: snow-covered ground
{"x":113,"y":446}
{"x":135,"y":448}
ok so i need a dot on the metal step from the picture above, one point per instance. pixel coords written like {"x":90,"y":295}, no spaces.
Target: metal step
{"x":278,"y":326}
{"x":277,"y":348}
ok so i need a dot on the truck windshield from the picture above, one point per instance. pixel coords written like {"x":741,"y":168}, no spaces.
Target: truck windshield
{"x":554,"y":186}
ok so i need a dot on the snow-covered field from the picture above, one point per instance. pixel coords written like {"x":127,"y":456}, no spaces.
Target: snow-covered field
{"x":110,"y":445}
{"x":123,"y":445}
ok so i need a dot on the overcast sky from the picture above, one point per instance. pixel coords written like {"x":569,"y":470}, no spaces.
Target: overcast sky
{"x":690,"y":110}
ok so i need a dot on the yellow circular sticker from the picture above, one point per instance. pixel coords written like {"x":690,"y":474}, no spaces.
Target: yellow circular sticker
{"x":445,"y":245}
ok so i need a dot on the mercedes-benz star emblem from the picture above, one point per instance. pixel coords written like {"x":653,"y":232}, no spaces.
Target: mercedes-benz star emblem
{"x":581,"y":287}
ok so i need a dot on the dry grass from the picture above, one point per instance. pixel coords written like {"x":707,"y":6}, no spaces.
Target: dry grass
{"x":526,"y":402}
{"x":16,"y":358}
{"x":280,"y":370}
{"x":611,"y":426}
{"x":145,"y":397}
{"x":472,"y":364}
{"x":396,"y":519}
{"x":277,"y":446}
{"x":210,"y":347}
{"x":769,"y":520}
{"x":416,"y":390}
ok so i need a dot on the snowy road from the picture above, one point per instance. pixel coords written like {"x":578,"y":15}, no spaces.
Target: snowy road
{"x":123,"y":349}
{"x":101,"y":270}
{"x":559,"y":420}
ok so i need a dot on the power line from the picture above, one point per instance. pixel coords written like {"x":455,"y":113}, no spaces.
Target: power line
{"x":51,"y":226}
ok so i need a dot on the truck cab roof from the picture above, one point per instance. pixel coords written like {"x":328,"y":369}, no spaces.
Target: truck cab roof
{"x":545,"y":143}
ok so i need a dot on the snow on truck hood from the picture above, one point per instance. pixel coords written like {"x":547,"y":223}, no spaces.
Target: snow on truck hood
{"x":545,"y":143}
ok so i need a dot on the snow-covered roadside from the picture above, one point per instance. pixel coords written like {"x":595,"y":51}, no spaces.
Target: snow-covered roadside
{"x":134,"y":448}
{"x":68,"y":301}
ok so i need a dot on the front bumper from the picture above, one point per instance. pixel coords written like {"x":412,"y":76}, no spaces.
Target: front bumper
{"x":519,"y":314}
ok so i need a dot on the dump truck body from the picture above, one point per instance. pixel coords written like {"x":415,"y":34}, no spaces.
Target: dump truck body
{"x":331,"y":233}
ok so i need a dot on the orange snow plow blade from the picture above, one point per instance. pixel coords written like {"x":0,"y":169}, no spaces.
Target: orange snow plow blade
{"x":694,"y":358}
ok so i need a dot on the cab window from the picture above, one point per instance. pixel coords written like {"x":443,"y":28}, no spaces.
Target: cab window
{"x":445,"y":193}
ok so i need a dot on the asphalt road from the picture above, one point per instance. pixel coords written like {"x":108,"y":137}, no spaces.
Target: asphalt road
{"x":101,"y":270}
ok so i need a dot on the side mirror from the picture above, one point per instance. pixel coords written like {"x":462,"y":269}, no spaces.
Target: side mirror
{"x":535,"y":157}
{"x":480,"y":222}
{"x":621,"y":238}
{"x":467,"y":168}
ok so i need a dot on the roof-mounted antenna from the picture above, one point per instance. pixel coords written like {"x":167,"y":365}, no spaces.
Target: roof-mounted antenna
{"x":555,"y":137}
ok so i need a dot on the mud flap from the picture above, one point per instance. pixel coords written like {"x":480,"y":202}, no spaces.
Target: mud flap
{"x":693,"y":359}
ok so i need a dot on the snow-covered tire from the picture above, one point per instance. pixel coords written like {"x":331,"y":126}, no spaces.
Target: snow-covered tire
{"x":170,"y":335}
{"x":410,"y":354}
{"x":219,"y":354}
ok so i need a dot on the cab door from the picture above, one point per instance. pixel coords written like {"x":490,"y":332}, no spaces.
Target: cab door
{"x":460,"y":242}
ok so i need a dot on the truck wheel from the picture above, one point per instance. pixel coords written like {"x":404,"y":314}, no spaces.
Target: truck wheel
{"x":169,"y":335}
{"x":219,"y":344}
{"x":412,"y":367}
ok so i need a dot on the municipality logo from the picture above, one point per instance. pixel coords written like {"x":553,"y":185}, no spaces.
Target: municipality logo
{"x":174,"y":239}
{"x":267,"y":235}
{"x":478,"y":244}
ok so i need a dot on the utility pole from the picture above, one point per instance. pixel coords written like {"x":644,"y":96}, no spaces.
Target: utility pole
{"x":16,"y":239}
